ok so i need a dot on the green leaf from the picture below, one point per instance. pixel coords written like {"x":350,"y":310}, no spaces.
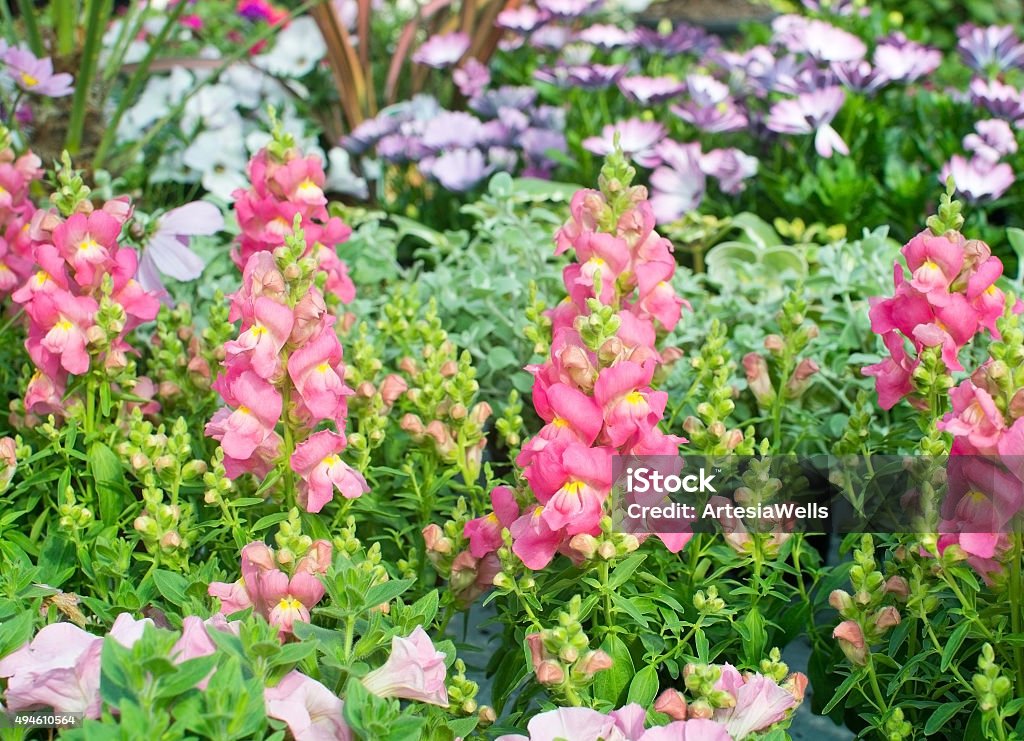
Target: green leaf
{"x":956,"y":639}
{"x":268,"y":520}
{"x":754,"y":637}
{"x":644,"y":687}
{"x":16,"y":632}
{"x":1016,"y":239}
{"x":188,"y":675}
{"x":610,"y":684}
{"x":501,"y":357}
{"x":381,"y":593}
{"x":105,"y":468}
{"x":942,"y":715}
{"x":625,"y":569}
{"x":171,"y":586}
{"x":841,"y":691}
{"x":462,"y":727}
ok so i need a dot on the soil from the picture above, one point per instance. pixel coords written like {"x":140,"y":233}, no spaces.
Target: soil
{"x":715,"y":15}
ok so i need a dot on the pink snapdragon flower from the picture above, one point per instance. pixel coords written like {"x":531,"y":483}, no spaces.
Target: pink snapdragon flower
{"x":317,"y":461}
{"x":415,"y":670}
{"x":74,"y":256}
{"x":284,"y":186}
{"x":311,"y":711}
{"x":60,"y":667}
{"x":950,"y":296}
{"x":270,"y":591}
{"x":16,"y":210}
{"x":596,"y":401}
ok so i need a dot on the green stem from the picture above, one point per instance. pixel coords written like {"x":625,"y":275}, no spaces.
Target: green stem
{"x":98,"y":13}
{"x":603,"y":570}
{"x":350,"y":630}
{"x":883,"y":708}
{"x":64,"y":23}
{"x":1015,"y":610}
{"x":28,"y":17}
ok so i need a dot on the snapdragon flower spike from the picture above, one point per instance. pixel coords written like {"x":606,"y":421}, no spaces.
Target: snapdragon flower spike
{"x":81,"y":268}
{"x":594,"y":391}
{"x":285,"y":184}
{"x":949,"y":297}
{"x":16,"y":209}
{"x":287,"y":348}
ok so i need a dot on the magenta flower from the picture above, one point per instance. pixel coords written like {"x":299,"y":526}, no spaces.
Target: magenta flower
{"x":678,"y":186}
{"x":415,"y":670}
{"x":631,"y":409}
{"x":484,"y":533}
{"x":817,"y":39}
{"x":650,"y":90}
{"x":311,"y":711}
{"x":978,"y":179}
{"x":811,"y":112}
{"x":35,"y":75}
{"x":167,"y":249}
{"x":442,"y":50}
{"x":993,"y":140}
{"x":901,"y":60}
{"x":990,"y":49}
{"x":681,"y":39}
{"x":637,"y":138}
{"x":322,"y":470}
{"x":975,"y":422}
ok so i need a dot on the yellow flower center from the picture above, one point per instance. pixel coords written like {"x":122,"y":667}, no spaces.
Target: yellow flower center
{"x":559,"y":422}
{"x":332,"y":460}
{"x":87,"y":244}
{"x":63,"y":325}
{"x":41,"y":277}
{"x":573,"y":487}
{"x":634,"y":397}
{"x":289,"y":603}
{"x":244,"y":410}
{"x":492,"y":519}
{"x":29,"y":80}
{"x":307,"y":185}
{"x":258,"y":330}
{"x":323,"y":367}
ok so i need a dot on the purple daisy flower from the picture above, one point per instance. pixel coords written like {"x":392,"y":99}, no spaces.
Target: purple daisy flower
{"x":811,"y":113}
{"x":398,"y":149}
{"x":993,"y":140}
{"x":817,"y":39}
{"x":902,"y":60}
{"x":568,"y":8}
{"x":525,"y":19}
{"x":502,"y":159}
{"x":681,"y":39}
{"x":730,"y":167}
{"x":977,"y":178}
{"x":472,"y":77}
{"x":369,"y":132}
{"x":537,"y":143}
{"x":836,"y":7}
{"x":488,"y":103}
{"x":678,"y":186}
{"x":583,"y":76}
{"x":859,"y":77}
{"x":606,"y":36}
{"x":457,"y":170}
{"x":36,"y":76}
{"x":167,"y":250}
{"x":990,"y":49}
{"x":637,"y":139}
{"x":650,"y":90}
{"x":1001,"y":100}
{"x":551,"y":37}
{"x":711,"y":107}
{"x":442,"y":50}
{"x":452,"y":129}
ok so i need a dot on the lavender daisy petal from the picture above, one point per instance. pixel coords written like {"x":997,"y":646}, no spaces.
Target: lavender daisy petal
{"x":442,"y":50}
{"x":650,"y":90}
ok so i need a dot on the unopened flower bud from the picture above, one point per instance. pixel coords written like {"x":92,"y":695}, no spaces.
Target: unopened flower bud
{"x":163,"y":462}
{"x":700,"y":709}
{"x":595,"y":661}
{"x":392,"y":387}
{"x":449,"y":368}
{"x":480,"y":413}
{"x":550,"y":673}
{"x":774,"y":344}
{"x":851,"y":641}
{"x":758,"y":380}
{"x":672,"y":703}
{"x":170,"y":540}
{"x":840,"y":601}
{"x":887,"y":617}
{"x":139,"y":461}
{"x":898,"y":587}
{"x":606,"y":550}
